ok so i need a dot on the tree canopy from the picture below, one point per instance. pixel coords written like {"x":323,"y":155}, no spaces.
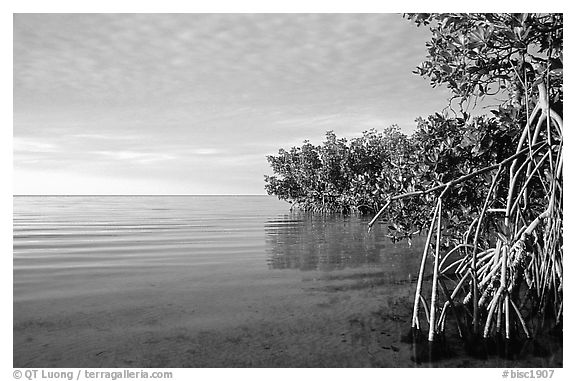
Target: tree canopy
{"x":487,"y":190}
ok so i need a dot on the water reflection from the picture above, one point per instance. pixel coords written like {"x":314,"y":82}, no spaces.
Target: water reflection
{"x":331,"y":242}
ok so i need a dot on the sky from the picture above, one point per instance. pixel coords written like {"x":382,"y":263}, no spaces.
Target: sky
{"x":193,"y":103}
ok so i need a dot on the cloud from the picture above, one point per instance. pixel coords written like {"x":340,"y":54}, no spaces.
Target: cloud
{"x":190,"y":97}
{"x":135,"y":157}
{"x":223,"y":55}
{"x":115,"y":137}
{"x":21,"y":145}
{"x":205,"y":151}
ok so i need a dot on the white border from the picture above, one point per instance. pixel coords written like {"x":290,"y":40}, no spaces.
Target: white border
{"x":247,"y":6}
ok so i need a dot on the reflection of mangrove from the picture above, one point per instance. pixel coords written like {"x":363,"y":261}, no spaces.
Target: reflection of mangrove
{"x":327,"y":242}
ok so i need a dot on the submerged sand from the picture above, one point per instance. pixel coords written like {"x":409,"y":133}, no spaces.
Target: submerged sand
{"x":346,"y":318}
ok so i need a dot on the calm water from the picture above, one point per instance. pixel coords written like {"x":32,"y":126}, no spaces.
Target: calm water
{"x":123,"y":281}
{"x":66,"y":245}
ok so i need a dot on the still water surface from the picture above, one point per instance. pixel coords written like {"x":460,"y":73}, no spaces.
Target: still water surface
{"x":66,"y":244}
{"x":210,"y":281}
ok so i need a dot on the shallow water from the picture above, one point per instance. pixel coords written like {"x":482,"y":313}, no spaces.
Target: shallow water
{"x":72,"y":241}
{"x":209,"y":281}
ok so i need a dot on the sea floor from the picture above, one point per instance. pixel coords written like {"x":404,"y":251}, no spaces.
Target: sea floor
{"x":348,"y":318}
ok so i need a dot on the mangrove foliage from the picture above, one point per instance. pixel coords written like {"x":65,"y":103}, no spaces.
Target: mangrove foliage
{"x":486,"y":191}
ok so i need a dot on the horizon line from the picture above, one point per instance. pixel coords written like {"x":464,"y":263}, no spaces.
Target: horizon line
{"x":142,"y":195}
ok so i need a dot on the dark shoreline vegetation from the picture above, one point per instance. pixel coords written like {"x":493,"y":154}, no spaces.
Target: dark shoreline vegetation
{"x":486,"y":191}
